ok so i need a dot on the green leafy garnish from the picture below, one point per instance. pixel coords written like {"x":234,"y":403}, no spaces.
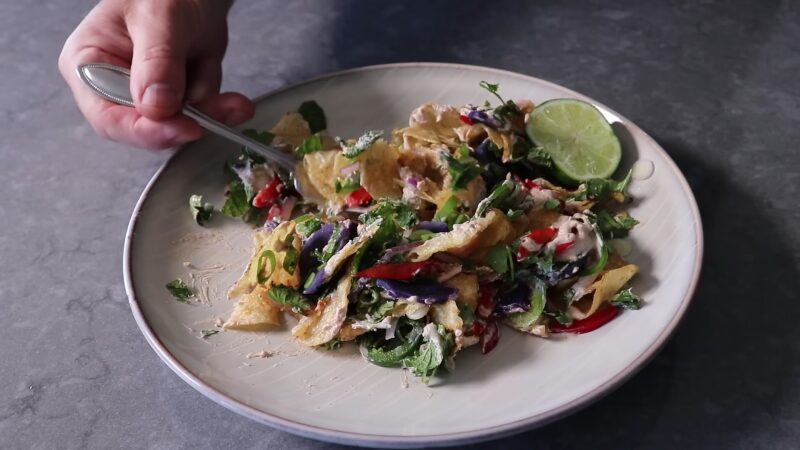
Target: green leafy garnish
{"x":287,"y":296}
{"x":314,"y":115}
{"x":450,"y":212}
{"x":307,"y":224}
{"x":361,"y":144}
{"x":614,"y":227}
{"x":262,"y":259}
{"x":201,"y":212}
{"x":552,"y":203}
{"x":462,"y":168}
{"x":292,"y":255}
{"x":180,"y":290}
{"x":506,"y":196}
{"x":325,"y":253}
{"x":430,"y":355}
{"x":539,"y":157}
{"x":237,"y":202}
{"x":311,"y":144}
{"x":391,"y":210}
{"x":333,"y":344}
{"x":392,"y":353}
{"x":348,"y":185}
{"x":205,"y":334}
{"x":421,"y":235}
{"x":507,"y":109}
{"x":501,"y":259}
{"x":602,"y":189}
{"x":627,"y":300}
{"x":466,"y":313}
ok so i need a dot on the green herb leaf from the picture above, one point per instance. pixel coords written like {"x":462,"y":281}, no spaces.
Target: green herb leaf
{"x":361,"y":144}
{"x":262,"y":259}
{"x":506,"y":196}
{"x":466,"y":313}
{"x":324,"y":254}
{"x":430,"y":355}
{"x":552,"y":203}
{"x":349,"y":184}
{"x":292,"y":256}
{"x":539,"y":157}
{"x":311,"y":144}
{"x":333,"y":344}
{"x":237,"y":202}
{"x":462,"y":169}
{"x":391,"y":210}
{"x":614,"y":227}
{"x":205,"y":334}
{"x":421,"y":235}
{"x":287,"y":296}
{"x":627,"y":300}
{"x":392,"y":353}
{"x":383,"y":309}
{"x":179,"y":290}
{"x":314,"y":115}
{"x":307,"y":224}
{"x":601,"y":188}
{"x":501,"y":259}
{"x":201,"y":212}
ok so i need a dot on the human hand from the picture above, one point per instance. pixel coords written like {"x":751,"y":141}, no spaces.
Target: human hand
{"x":174,"y":49}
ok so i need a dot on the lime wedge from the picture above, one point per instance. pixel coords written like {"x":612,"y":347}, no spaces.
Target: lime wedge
{"x":578,"y":138}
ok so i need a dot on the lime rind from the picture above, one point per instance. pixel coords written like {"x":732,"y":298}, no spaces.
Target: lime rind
{"x":578,"y":138}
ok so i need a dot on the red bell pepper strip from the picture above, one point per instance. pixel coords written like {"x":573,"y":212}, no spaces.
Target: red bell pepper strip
{"x":561,"y":248}
{"x":359,"y":197}
{"x":591,"y":323}
{"x":392,"y":271}
{"x":465,"y":119}
{"x":268,"y":195}
{"x":543,"y":235}
{"x":530,"y":184}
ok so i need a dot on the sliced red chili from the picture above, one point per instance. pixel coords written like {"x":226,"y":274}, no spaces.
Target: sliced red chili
{"x":465,"y":119}
{"x":561,"y":248}
{"x":269,"y":194}
{"x":490,"y":337}
{"x":543,"y":235}
{"x":392,"y":271}
{"x":359,"y":197}
{"x":591,"y":323}
{"x":530,"y":184}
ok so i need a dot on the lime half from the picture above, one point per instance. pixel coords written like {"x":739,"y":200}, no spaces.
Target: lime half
{"x":578,"y":138}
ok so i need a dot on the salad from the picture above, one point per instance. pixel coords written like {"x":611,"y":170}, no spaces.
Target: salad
{"x":418,"y":243}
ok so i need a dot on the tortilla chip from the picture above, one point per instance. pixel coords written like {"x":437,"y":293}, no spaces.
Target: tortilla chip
{"x":380,"y":171}
{"x":291,"y":130}
{"x":447,"y":314}
{"x":254,"y":312}
{"x":609,"y":283}
{"x":324,"y":323}
{"x":274,"y":240}
{"x":466,"y":238}
{"x":348,"y":332}
{"x":467,"y":285}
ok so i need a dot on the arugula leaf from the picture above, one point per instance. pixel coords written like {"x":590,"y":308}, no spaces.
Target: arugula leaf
{"x":348,"y":184}
{"x":201,"y":212}
{"x":311,"y":144}
{"x":462,"y":169}
{"x":391,"y":210}
{"x":287,"y":296}
{"x":501,"y":259}
{"x":205,"y":334}
{"x":507,"y":196}
{"x":307,"y":224}
{"x":614,"y":227}
{"x":237,"y":202}
{"x":179,"y":290}
{"x":627,"y":300}
{"x":262,"y":259}
{"x":314,"y":115}
{"x":361,"y":144}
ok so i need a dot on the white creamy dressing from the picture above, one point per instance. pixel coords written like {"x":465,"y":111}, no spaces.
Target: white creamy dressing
{"x":576,"y":228}
{"x":540,"y":197}
{"x":642,"y":169}
{"x":258,"y":176}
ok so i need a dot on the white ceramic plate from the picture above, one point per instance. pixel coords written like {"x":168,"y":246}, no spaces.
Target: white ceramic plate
{"x":336,"y":396}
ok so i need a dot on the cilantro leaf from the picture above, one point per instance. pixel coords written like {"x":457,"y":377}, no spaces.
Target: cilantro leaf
{"x":462,"y":169}
{"x":391,"y":210}
{"x":201,"y":212}
{"x":627,"y":300}
{"x":287,"y":296}
{"x":314,"y":115}
{"x":551,"y":203}
{"x":507,"y":196}
{"x":237,"y":202}
{"x":603,"y":188}
{"x":501,"y":259}
{"x":539,"y":157}
{"x":614,"y":227}
{"x":179,"y":290}
{"x":311,"y":144}
{"x":361,"y":144}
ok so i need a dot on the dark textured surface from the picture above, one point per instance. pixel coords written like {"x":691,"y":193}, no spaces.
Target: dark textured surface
{"x":717,"y":84}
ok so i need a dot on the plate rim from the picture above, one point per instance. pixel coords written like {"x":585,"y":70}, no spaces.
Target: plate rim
{"x":397,"y":441}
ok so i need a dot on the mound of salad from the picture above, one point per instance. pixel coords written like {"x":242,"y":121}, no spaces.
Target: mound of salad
{"x":422,"y":242}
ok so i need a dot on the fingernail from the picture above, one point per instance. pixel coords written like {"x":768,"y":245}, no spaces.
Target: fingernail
{"x":161,"y":95}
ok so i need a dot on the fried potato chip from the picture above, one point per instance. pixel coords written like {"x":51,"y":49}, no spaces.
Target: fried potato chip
{"x":447,"y":314}
{"x":291,"y":130}
{"x":380,"y":170}
{"x":274,"y":241}
{"x":466,"y":239}
{"x":254,"y":312}
{"x":324,"y":323}
{"x":609,"y":283}
{"x":467,"y":285}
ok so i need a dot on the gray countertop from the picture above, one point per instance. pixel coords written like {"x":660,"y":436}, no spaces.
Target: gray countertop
{"x":716,"y":84}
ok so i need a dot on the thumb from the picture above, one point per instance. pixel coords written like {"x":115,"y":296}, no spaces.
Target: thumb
{"x":158,"y":65}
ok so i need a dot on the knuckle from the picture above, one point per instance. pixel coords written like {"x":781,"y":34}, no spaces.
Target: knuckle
{"x":158,"y":52}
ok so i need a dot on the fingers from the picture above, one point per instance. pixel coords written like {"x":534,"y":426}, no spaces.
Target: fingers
{"x":160,"y":36}
{"x":230,"y":108}
{"x":205,"y":78}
